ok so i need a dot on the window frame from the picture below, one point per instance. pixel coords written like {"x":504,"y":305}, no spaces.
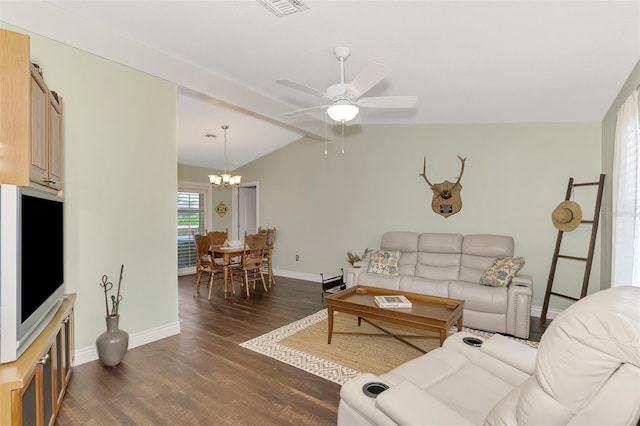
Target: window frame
{"x":195,"y":187}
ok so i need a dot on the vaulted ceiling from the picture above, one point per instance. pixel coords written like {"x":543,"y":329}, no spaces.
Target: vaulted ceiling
{"x":467,"y":61}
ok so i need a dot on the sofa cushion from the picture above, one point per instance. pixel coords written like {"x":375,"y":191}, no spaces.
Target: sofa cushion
{"x":451,"y":376}
{"x":502,"y":271}
{"x":419,"y":285}
{"x":487,"y":245}
{"x":400,"y":240}
{"x":384,"y":262}
{"x":390,"y":282}
{"x":479,"y":252}
{"x":439,"y":256}
{"x":480,"y":298}
{"x":407,"y":244}
{"x":440,"y":243}
{"x":438,"y":266}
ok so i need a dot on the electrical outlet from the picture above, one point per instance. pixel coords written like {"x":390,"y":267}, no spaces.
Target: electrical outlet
{"x":297,"y":257}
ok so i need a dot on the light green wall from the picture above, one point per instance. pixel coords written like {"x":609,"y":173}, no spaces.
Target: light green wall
{"x":608,"y":138}
{"x":201,"y":175}
{"x":515,"y":175}
{"x":119,"y":188}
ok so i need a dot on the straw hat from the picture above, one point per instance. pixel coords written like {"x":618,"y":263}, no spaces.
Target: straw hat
{"x":567,"y":216}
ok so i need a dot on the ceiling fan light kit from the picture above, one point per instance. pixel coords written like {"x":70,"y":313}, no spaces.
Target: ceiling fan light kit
{"x":343,"y":111}
{"x":345,"y":99}
{"x":224,"y":180}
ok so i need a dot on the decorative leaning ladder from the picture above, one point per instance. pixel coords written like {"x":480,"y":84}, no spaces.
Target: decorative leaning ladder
{"x":588,"y":259}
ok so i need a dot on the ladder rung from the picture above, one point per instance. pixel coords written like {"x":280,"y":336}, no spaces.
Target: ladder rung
{"x":565,"y":296}
{"x":587,"y":221}
{"x":573,"y":257}
{"x":586,"y":184}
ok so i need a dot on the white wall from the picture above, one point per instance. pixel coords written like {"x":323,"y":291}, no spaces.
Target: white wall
{"x":515,"y":175}
{"x":119,"y":188}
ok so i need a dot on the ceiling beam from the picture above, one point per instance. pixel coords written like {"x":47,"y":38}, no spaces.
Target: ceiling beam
{"x":45,"y":19}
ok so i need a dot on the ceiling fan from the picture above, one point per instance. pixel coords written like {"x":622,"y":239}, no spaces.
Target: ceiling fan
{"x":344,"y":100}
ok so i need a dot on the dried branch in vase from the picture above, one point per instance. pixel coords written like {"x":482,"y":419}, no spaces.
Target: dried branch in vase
{"x":352,"y":258}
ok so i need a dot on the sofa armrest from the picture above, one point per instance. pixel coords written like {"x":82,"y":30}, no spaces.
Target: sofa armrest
{"x":356,"y":408}
{"x":515,"y":354}
{"x":522,"y":281}
{"x":351,"y":278}
{"x":407,"y":404}
{"x":519,"y":306}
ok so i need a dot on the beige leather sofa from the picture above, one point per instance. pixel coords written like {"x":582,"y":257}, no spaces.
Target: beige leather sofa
{"x":450,"y":265}
{"x":586,"y":371}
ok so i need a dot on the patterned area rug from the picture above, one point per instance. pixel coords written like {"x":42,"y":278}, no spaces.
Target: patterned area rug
{"x":303,"y":344}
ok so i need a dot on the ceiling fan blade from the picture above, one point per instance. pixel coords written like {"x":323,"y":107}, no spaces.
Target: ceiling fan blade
{"x":301,"y":87}
{"x":388,"y":102}
{"x":304,"y":110}
{"x":370,"y":75}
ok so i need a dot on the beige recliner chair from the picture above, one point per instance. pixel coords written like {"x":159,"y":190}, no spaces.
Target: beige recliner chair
{"x":586,"y":371}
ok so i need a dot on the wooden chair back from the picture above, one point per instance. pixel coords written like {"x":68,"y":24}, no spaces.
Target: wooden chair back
{"x":271,"y":236}
{"x":254,"y":248}
{"x":202,"y":243}
{"x":268,"y":252}
{"x":218,"y":237}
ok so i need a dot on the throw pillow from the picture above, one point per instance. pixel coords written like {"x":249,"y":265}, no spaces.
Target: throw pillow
{"x":502,"y":271}
{"x":384,"y":262}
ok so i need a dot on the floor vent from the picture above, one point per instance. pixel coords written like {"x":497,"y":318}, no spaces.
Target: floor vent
{"x":284,"y":7}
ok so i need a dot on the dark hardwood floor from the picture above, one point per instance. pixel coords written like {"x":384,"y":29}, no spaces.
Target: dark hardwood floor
{"x":202,"y":376}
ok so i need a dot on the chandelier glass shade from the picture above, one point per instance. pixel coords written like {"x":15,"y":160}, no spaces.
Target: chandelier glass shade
{"x":343,"y":111}
{"x":225,"y":179}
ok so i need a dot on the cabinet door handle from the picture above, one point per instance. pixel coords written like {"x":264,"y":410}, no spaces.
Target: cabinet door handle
{"x":51,"y":180}
{"x":44,"y":359}
{"x":66,"y":320}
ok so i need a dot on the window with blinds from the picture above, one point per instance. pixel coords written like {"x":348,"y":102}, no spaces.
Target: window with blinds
{"x":191,"y":219}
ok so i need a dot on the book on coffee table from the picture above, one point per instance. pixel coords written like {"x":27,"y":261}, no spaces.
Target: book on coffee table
{"x":393,"y":301}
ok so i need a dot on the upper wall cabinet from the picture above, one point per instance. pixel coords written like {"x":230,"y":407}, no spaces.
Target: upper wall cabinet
{"x":30,"y":120}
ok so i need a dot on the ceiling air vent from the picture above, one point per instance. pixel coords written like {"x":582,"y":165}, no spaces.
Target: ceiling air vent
{"x":284,"y":7}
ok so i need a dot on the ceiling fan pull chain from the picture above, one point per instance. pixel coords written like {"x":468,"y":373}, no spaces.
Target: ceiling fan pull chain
{"x":325,"y":133}
{"x":343,"y":136}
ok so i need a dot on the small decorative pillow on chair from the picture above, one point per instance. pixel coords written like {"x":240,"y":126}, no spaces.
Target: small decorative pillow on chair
{"x":502,"y":271}
{"x":384,"y":262}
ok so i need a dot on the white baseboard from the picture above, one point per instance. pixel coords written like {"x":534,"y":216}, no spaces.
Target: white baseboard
{"x":536,"y":311}
{"x":91,"y":354}
{"x":304,"y":276}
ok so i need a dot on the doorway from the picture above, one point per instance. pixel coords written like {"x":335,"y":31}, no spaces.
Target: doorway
{"x":245,"y":204}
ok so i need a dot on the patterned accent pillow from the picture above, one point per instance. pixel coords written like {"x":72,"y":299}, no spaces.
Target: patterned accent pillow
{"x":384,"y":262}
{"x":502,"y":271}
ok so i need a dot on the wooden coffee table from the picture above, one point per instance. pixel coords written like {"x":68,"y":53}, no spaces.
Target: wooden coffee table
{"x":431,"y":313}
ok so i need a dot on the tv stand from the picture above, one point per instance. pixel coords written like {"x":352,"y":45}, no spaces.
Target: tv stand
{"x":32,"y":387}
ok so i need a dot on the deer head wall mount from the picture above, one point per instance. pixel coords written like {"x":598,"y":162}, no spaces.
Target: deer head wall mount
{"x":446,"y":195}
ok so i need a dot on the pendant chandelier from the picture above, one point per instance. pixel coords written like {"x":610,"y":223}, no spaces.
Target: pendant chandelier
{"x":225,"y":180}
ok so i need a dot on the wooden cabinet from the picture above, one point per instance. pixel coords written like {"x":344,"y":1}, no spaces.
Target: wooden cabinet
{"x":32,"y":387}
{"x":30,"y":120}
{"x":54,"y":176}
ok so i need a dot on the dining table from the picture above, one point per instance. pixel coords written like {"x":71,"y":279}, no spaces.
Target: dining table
{"x":226,"y":254}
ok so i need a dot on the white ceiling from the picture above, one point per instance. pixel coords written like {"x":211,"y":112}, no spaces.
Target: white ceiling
{"x":467,"y":61}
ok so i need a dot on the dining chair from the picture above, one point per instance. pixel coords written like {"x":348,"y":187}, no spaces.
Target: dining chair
{"x":218,"y":237}
{"x":250,"y":267}
{"x":268,"y":252}
{"x":204,"y":263}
